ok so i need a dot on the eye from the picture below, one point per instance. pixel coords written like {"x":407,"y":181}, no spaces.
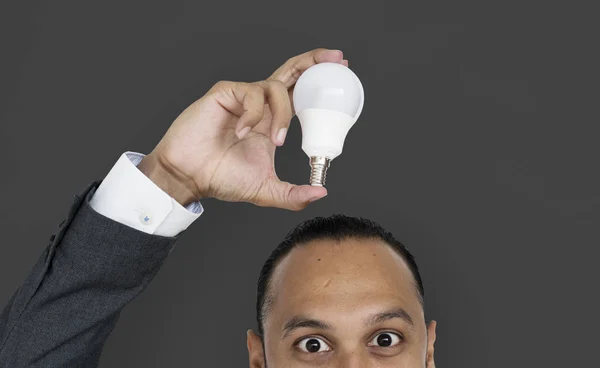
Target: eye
{"x":386,"y":340}
{"x":313,"y":345}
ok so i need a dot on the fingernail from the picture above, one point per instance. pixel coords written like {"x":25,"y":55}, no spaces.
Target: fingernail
{"x":281,"y":135}
{"x":242,"y":133}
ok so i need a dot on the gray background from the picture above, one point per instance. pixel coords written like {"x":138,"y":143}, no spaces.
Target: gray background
{"x":477,"y":148}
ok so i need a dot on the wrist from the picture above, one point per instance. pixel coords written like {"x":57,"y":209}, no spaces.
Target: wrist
{"x":167,"y":179}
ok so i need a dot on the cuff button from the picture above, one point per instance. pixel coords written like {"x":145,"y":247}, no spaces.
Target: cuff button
{"x":146,"y":218}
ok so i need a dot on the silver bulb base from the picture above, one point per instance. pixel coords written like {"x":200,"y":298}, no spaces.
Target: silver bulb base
{"x":318,"y":170}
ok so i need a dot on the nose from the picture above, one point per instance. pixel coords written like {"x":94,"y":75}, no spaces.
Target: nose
{"x":354,"y":359}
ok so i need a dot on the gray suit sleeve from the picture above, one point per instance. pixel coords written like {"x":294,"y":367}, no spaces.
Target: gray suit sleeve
{"x":65,"y":310}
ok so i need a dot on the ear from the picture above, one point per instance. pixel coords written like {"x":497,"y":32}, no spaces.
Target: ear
{"x":430,"y":342}
{"x":256,"y":355}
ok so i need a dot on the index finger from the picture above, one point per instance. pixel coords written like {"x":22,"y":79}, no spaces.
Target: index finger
{"x":289,"y":72}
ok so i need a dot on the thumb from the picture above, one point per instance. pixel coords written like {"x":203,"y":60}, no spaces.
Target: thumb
{"x":289,"y":196}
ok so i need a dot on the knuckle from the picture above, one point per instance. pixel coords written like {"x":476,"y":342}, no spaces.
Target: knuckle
{"x":222,"y":83}
{"x":287,"y":195}
{"x":277,"y":85}
{"x":255,"y":92}
{"x":295,"y":71}
{"x":256,"y":115}
{"x":220,"y":86}
{"x":257,"y":89}
{"x":256,"y":112}
{"x":292,"y":60}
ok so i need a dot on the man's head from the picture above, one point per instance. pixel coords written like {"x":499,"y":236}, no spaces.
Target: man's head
{"x":341,"y":292}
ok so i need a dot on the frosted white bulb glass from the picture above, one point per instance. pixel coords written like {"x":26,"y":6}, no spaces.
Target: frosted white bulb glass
{"x":328,"y":99}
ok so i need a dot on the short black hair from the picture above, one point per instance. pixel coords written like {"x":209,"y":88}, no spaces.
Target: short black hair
{"x":337,"y":227}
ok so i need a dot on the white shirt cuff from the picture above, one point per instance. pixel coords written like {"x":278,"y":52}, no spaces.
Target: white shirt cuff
{"x":128,"y":196}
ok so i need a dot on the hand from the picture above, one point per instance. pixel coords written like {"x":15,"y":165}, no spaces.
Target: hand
{"x":223,"y":145}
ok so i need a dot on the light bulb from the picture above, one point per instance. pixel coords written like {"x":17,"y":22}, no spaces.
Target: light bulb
{"x":328,"y":98}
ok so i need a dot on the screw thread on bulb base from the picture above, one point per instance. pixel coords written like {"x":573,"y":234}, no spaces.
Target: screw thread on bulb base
{"x":318,"y":170}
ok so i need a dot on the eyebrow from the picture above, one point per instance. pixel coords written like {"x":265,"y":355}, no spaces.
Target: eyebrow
{"x":391,"y":314}
{"x":303,"y":322}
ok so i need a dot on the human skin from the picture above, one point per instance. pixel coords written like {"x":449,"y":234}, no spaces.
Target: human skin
{"x":223,"y":146}
{"x":344,"y":284}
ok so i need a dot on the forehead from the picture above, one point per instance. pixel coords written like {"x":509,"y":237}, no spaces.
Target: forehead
{"x":330,"y":277}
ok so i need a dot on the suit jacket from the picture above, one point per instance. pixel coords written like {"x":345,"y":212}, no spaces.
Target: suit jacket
{"x":65,"y":310}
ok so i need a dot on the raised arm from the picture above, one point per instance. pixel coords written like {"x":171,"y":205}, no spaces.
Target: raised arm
{"x":120,"y":231}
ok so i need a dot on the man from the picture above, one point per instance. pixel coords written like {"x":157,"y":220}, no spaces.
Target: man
{"x":338,"y":292}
